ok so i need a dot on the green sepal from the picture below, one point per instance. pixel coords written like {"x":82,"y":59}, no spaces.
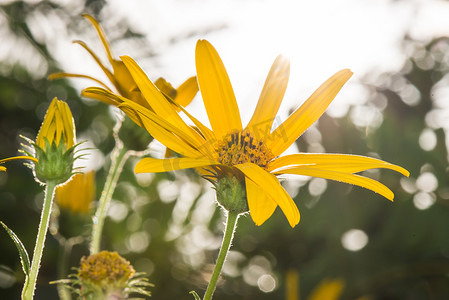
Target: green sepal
{"x":24,"y":258}
{"x":195,"y":295}
{"x":55,"y":162}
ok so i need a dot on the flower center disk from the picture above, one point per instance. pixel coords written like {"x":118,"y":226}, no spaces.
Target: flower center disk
{"x":242,"y":147}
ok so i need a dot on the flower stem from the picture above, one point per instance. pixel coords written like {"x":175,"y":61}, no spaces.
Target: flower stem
{"x":30,"y":283}
{"x":226,"y":244}
{"x":118,"y":158}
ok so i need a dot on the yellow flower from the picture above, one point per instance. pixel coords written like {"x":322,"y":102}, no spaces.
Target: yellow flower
{"x":55,"y":144}
{"x":58,"y":124}
{"x":15,"y":158}
{"x":107,"y":275}
{"x":122,"y":80}
{"x":106,"y":269}
{"x":327,"y":289}
{"x":78,"y":193}
{"x":251,"y":154}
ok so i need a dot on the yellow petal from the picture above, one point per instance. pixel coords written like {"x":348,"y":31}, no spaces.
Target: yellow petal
{"x":18,"y":158}
{"x":153,"y":165}
{"x":365,"y":182}
{"x":133,"y":115}
{"x":271,"y":186}
{"x":98,"y":61}
{"x":101,"y":34}
{"x":62,"y":75}
{"x":161,"y":130}
{"x":345,"y":163}
{"x":155,"y":98}
{"x":68,"y":125}
{"x":205,"y":131}
{"x":101,"y":95}
{"x":328,"y":289}
{"x":2,"y":169}
{"x":261,"y":207}
{"x":186,"y":91}
{"x":286,"y":134}
{"x":216,"y":90}
{"x":271,"y":97}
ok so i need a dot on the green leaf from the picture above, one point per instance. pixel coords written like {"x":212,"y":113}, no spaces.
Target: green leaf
{"x":24,"y":258}
{"x":195,"y":295}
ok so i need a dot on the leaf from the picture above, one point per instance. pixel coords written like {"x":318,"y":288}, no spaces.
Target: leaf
{"x":24,"y":258}
{"x":195,"y":295}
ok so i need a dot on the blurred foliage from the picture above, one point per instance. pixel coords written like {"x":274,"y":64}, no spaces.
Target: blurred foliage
{"x":169,"y":226}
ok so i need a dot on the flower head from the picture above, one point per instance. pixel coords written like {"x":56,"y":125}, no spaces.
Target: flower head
{"x":252,"y":153}
{"x":107,"y":275}
{"x":77,"y":194}
{"x":124,"y":84}
{"x":2,"y":168}
{"x":55,"y":144}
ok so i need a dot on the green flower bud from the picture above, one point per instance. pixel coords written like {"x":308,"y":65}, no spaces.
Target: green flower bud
{"x":231,"y":194}
{"x":55,"y":144}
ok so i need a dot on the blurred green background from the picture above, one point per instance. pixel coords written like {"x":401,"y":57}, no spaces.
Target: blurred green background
{"x":169,"y":226}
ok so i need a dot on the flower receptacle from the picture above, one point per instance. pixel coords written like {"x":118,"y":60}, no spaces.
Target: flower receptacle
{"x":231,"y":194}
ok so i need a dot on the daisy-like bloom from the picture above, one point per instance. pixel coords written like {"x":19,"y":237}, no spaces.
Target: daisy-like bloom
{"x":2,"y":168}
{"x":77,"y":194}
{"x":107,"y":275}
{"x":55,"y":144}
{"x":250,"y":154}
{"x":122,"y":80}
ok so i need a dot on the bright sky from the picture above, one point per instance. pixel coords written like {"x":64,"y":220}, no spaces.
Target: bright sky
{"x":320,"y":37}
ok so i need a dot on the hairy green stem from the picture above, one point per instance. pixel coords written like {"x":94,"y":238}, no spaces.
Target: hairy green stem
{"x":30,"y":283}
{"x":231,"y":223}
{"x":118,"y":158}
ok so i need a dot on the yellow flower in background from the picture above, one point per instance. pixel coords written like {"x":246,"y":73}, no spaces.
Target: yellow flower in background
{"x":328,"y":289}
{"x":15,"y":158}
{"x":55,"y":144}
{"x":77,"y":194}
{"x":250,"y":154}
{"x":122,"y":80}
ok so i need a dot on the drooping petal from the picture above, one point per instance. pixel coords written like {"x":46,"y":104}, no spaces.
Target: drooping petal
{"x":102,"y":95}
{"x":362,"y":181}
{"x":18,"y":158}
{"x":63,"y":75}
{"x":345,"y":163}
{"x":98,"y":61}
{"x":101,"y":34}
{"x":154,"y":165}
{"x":271,"y":186}
{"x":205,"y":131}
{"x":285,"y":135}
{"x":216,"y":90}
{"x":155,"y":98}
{"x":271,"y":97}
{"x":186,"y":91}
{"x":261,"y":206}
{"x":160,"y":129}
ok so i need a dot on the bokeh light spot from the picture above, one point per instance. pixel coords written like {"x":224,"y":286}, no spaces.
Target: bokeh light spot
{"x":354,"y":239}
